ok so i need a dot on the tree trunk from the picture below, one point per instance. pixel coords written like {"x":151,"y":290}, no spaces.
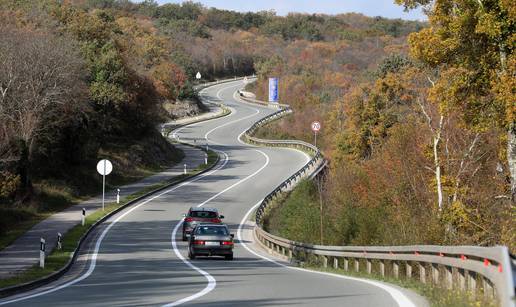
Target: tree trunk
{"x":23,"y":165}
{"x":437,"y":164}
{"x":511,"y":158}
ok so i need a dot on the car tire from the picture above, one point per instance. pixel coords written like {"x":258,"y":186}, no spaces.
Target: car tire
{"x":229,"y":257}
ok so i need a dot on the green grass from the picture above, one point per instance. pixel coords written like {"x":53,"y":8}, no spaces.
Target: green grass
{"x":132,"y":162}
{"x":57,"y":259}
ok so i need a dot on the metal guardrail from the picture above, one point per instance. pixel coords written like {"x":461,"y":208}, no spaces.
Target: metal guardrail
{"x":486,"y":270}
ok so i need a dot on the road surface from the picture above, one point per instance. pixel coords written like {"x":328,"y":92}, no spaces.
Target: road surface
{"x":137,"y":258}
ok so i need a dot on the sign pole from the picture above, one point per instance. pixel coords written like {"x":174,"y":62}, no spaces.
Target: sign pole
{"x":316,"y":126}
{"x":103,"y":185}
{"x":104,"y":167}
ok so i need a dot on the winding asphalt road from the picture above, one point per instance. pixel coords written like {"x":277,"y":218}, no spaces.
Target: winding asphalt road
{"x":137,"y":258}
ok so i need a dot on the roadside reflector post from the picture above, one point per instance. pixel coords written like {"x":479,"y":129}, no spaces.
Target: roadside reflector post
{"x":59,"y":238}
{"x":184,"y":170}
{"x":83,"y":216}
{"x":117,"y":196}
{"x":206,"y":158}
{"x":42,"y":253}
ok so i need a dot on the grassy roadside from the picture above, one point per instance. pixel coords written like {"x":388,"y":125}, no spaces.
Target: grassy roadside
{"x":132,"y":160}
{"x":282,"y":219}
{"x":59,"y":258}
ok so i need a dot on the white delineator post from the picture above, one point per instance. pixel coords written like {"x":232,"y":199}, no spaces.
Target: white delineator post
{"x":184,"y":170}
{"x":206,"y":158}
{"x":83,"y":216}
{"x":42,"y":253}
{"x":117,"y":196}
{"x":59,"y":238}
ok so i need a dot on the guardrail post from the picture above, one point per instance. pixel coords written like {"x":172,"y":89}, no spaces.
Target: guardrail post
{"x":472,"y":283}
{"x":422,"y":273}
{"x":368,"y":266}
{"x":335,"y":263}
{"x":357,"y":265}
{"x":488,"y":288}
{"x":325,"y":261}
{"x":462,"y":278}
{"x":408,"y":269}
{"x":290,"y":253}
{"x":382,"y":268}
{"x":448,"y":276}
{"x":395,"y":269}
{"x":435,"y":273}
{"x":346,"y":264}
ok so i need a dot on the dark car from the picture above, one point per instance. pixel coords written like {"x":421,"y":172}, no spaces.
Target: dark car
{"x":199,"y":215}
{"x":211,"y":240}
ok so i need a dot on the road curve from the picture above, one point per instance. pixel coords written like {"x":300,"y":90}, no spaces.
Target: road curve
{"x":137,"y":257}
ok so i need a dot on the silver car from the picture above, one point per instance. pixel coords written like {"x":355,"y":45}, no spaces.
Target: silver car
{"x":211,"y":240}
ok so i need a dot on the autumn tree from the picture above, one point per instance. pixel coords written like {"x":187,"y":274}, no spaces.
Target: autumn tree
{"x":169,"y":80}
{"x":40,"y":76}
{"x":472,"y":44}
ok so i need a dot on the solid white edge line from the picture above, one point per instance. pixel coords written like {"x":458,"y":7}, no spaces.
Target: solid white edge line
{"x":401,"y":299}
{"x":233,"y":112}
{"x":93,"y":259}
{"x":94,"y":256}
{"x":211,"y":281}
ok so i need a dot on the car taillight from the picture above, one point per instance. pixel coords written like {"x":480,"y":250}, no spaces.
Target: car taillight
{"x":198,"y":242}
{"x":227,"y":242}
{"x":188,"y":219}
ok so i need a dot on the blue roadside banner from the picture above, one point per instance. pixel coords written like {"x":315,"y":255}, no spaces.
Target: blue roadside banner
{"x":273,"y":90}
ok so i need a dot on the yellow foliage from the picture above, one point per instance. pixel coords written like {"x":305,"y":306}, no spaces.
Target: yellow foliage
{"x":9,"y":183}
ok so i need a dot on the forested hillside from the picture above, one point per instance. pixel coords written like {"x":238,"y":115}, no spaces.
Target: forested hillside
{"x":415,"y":115}
{"x":420,"y":133}
{"x":82,"y":80}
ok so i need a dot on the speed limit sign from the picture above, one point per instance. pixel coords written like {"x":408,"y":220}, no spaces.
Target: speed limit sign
{"x":316,"y":126}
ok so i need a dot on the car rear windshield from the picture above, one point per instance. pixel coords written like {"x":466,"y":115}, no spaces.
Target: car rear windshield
{"x":212,"y":230}
{"x":203,"y":214}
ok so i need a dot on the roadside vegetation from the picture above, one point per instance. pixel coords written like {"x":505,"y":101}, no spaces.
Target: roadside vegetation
{"x":82,"y":80}
{"x":419,"y":131}
{"x":59,"y":258}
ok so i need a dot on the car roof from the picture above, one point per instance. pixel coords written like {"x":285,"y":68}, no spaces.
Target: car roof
{"x":203,"y":209}
{"x":211,"y":224}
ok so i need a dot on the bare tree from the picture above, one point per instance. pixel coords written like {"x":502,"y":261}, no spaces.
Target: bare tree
{"x":40,"y":75}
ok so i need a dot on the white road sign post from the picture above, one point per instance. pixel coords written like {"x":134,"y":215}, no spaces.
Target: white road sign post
{"x":316,"y":126}
{"x":104,"y":167}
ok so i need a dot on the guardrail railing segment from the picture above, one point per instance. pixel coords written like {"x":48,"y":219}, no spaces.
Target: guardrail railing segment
{"x":486,"y":270}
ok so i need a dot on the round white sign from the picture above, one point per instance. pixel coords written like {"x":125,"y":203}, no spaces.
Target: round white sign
{"x":316,"y":126}
{"x":104,"y":167}
{"x":198,"y":75}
